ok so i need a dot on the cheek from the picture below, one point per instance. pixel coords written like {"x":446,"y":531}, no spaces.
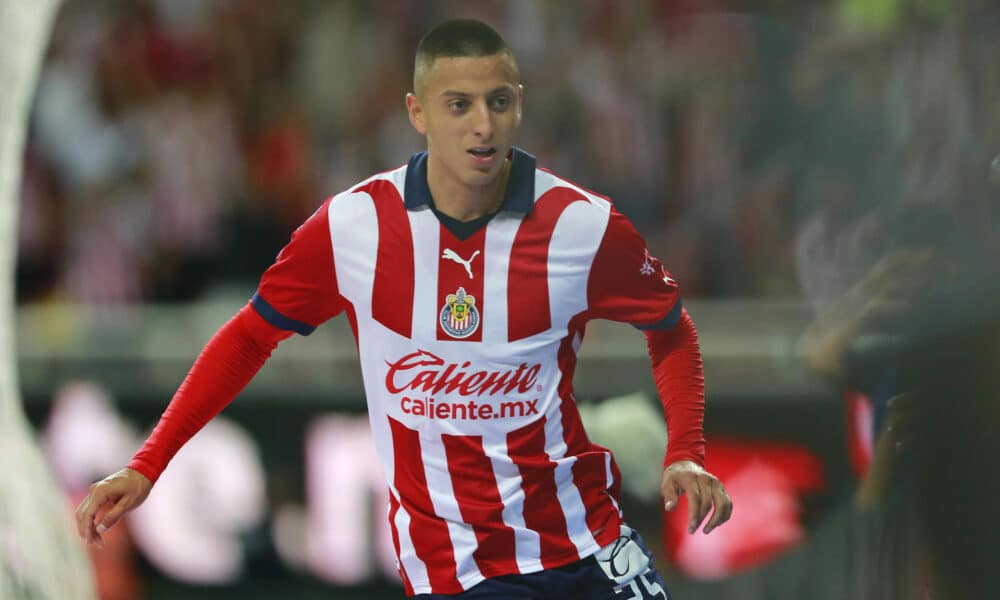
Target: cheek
{"x":508,"y":122}
{"x":448,"y":131}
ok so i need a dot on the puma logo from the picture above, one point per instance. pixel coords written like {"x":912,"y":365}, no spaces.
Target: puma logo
{"x":452,"y":255}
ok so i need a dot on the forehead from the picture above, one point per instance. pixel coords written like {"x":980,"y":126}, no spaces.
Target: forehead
{"x":470,"y":74}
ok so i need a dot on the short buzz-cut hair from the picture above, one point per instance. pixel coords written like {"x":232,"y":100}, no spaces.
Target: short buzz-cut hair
{"x":457,"y":37}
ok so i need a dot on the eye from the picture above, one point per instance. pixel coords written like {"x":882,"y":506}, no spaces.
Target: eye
{"x":500,"y":103}
{"x":458,"y":105}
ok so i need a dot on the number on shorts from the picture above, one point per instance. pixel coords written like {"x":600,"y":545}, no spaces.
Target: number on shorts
{"x":650,"y":590}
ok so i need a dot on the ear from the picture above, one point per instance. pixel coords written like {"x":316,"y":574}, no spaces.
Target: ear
{"x":520,"y":102}
{"x":418,"y":118}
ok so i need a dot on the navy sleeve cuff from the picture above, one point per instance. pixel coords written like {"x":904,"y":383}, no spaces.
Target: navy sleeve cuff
{"x":666,"y":322}
{"x":272,"y":316}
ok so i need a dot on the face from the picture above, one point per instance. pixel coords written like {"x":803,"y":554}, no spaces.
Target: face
{"x":468,"y":109}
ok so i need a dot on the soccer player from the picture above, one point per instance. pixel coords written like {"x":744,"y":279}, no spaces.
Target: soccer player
{"x":468,"y":276}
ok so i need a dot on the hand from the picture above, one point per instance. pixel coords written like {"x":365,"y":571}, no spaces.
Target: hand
{"x":107,"y":501}
{"x":703,"y":491}
{"x":886,"y":294}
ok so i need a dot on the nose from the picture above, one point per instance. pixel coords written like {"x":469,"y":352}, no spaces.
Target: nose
{"x":482,"y":125}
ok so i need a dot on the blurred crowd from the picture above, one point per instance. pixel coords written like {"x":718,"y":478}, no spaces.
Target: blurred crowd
{"x":174,"y":145}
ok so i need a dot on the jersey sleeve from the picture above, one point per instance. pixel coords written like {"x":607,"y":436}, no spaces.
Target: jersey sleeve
{"x":299,"y":291}
{"x":680,"y":381}
{"x":225,"y":366}
{"x":629,"y":285}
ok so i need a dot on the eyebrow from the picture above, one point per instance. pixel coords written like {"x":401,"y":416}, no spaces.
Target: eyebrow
{"x":494,"y":91}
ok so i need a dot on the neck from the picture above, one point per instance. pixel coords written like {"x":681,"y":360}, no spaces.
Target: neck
{"x":464,"y":202}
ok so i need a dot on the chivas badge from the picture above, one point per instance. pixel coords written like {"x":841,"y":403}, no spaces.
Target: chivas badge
{"x":459,"y":315}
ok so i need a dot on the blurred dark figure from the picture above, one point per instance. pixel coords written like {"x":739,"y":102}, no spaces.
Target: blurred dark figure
{"x":932,"y":478}
{"x":920,"y":333}
{"x":924,"y":521}
{"x":941,"y":480}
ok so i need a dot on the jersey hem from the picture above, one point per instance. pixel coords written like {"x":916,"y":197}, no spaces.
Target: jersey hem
{"x":611,"y":531}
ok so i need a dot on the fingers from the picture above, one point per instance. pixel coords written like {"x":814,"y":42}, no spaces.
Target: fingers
{"x":85,"y":527}
{"x":106,"y":502}
{"x":113,"y":514}
{"x":699,"y":501}
{"x":723,"y":507}
{"x":705,"y":493}
{"x":671,"y":494}
{"x":689,"y":484}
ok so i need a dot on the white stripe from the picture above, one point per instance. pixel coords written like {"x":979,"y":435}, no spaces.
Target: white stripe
{"x":610,"y":481}
{"x":416,"y":570}
{"x":575,"y":240}
{"x":500,"y":234}
{"x":463,"y":538}
{"x":354,"y":231}
{"x":426,"y":253}
{"x":527,"y":546}
{"x":568,"y":494}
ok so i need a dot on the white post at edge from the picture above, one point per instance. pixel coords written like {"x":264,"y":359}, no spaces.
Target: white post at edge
{"x":40,"y":555}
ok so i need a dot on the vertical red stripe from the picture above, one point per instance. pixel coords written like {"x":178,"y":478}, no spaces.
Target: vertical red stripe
{"x":392,"y":293}
{"x":428,"y":532}
{"x":528,"y":281}
{"x":590,"y":479}
{"x":393,"y":509}
{"x":590,"y":468}
{"x":573,"y":431}
{"x":542,"y":511}
{"x":479,"y":502}
{"x":453,"y":275}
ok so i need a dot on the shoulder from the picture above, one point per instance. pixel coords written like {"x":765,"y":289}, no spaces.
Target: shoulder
{"x":591,"y":215}
{"x":394,"y":177}
{"x":592,"y":212}
{"x":552,"y":189}
{"x":388,"y":184}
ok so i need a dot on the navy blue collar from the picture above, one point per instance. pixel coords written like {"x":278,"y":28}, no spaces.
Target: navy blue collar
{"x":519,"y":195}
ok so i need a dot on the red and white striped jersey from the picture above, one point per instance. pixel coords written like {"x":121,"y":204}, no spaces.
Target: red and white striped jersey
{"x":468,"y":348}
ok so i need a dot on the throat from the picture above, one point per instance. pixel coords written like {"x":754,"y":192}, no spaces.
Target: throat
{"x":463,"y":230}
{"x":462,"y":204}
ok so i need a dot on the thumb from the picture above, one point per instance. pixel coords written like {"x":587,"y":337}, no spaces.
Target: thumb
{"x":111,"y":517}
{"x":670,"y":493}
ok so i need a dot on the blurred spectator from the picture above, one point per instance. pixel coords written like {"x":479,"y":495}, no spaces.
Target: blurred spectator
{"x":746,"y":146}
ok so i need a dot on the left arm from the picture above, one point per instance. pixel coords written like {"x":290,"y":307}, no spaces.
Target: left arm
{"x":677,"y":371}
{"x":629,"y":285}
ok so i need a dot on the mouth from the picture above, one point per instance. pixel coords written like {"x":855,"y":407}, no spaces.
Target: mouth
{"x":482,"y":154}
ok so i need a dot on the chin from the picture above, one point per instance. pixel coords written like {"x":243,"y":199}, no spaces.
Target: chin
{"x":481,"y":177}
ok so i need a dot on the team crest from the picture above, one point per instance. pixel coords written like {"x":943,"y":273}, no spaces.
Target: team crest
{"x":459,"y":316}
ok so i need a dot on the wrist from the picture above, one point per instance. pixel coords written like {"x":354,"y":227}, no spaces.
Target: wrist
{"x":672,"y":459}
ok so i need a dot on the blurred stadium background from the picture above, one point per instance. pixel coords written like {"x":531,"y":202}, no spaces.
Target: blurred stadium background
{"x":775,"y":154}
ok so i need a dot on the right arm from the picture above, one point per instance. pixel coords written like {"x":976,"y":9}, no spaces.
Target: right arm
{"x":226,"y":365}
{"x":296,"y":294}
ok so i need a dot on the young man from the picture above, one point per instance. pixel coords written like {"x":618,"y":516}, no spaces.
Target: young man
{"x":468,"y":276}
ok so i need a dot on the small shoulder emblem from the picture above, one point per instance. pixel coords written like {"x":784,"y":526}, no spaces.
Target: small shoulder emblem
{"x":652,"y":266}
